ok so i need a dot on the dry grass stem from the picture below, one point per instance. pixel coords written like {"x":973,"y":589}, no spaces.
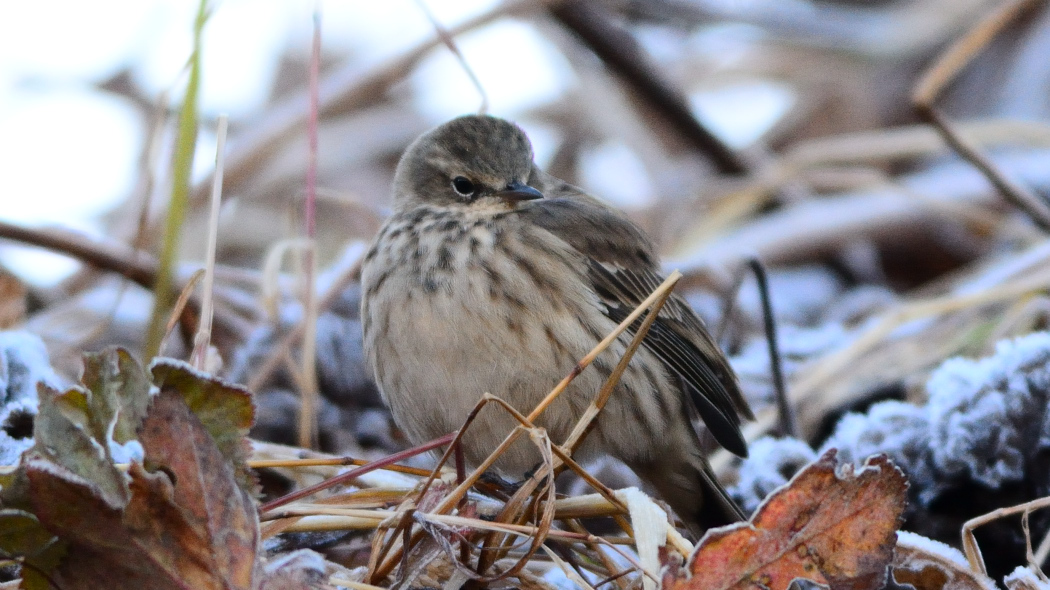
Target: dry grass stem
{"x":667,"y":284}
{"x":178,"y":309}
{"x":283,"y":349}
{"x":450,"y":42}
{"x":202,"y":341}
{"x":334,"y":462}
{"x":392,"y":553}
{"x":307,"y":367}
{"x":938,"y":76}
{"x":580,"y":430}
{"x":969,"y":542}
{"x":341,"y":581}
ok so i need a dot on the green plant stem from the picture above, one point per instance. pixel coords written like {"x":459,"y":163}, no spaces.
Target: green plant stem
{"x":182,"y":167}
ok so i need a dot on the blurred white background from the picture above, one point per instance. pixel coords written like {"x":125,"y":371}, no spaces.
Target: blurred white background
{"x":70,"y":150}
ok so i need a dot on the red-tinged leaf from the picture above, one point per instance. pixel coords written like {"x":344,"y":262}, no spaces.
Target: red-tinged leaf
{"x":206,"y":491}
{"x":187,"y":525}
{"x":225,"y":410}
{"x":102,"y":551}
{"x":833,"y":526}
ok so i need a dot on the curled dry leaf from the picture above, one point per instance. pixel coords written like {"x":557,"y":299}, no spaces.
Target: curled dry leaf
{"x":119,"y":394}
{"x":72,"y":453}
{"x":931,"y":565}
{"x":187,"y":525}
{"x":225,"y":410}
{"x":181,"y":518}
{"x":222,"y":514}
{"x":830,"y":524}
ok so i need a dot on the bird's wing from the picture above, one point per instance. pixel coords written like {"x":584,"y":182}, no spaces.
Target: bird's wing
{"x":623,"y":273}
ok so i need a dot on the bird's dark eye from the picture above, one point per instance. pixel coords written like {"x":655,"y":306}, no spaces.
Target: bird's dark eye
{"x":463,"y":186}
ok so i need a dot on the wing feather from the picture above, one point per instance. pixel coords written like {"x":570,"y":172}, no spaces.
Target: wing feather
{"x":623,"y":272}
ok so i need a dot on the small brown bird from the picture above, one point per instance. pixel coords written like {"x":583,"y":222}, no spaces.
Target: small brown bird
{"x":492,"y":276}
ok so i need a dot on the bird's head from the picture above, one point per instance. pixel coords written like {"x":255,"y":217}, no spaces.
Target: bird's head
{"x":476,"y":161}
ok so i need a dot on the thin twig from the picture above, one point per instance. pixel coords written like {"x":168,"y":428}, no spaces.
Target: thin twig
{"x":729,"y":307}
{"x":788,"y":423}
{"x":343,"y":91}
{"x":450,"y":42}
{"x":622,"y":53}
{"x":943,"y":71}
{"x":583,"y":426}
{"x":332,"y":462}
{"x":355,"y":473}
{"x":178,"y":309}
{"x":134,"y":265}
{"x":605,"y":343}
{"x":1042,"y":551}
{"x":1033,"y":564}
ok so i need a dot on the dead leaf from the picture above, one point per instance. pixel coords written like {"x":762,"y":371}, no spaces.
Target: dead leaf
{"x":63,"y":436}
{"x":1026,"y":578}
{"x":214,"y":506}
{"x":102,"y":550}
{"x":299,"y":570}
{"x":186,"y":525}
{"x":931,"y":565}
{"x":835,"y":527}
{"x":224,"y":409}
{"x":75,"y":429}
{"x":119,"y":393}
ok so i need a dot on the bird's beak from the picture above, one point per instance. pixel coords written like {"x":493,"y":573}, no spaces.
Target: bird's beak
{"x":517,"y":191}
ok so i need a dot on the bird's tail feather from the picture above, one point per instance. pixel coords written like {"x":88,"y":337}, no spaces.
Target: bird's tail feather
{"x":687,"y":483}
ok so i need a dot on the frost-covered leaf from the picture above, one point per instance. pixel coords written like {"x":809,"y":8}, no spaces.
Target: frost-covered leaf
{"x":989,"y":414}
{"x":1025,"y":578}
{"x":187,"y":525}
{"x":224,"y":409}
{"x":897,"y":429}
{"x":835,"y":527}
{"x":927,"y":564}
{"x":74,"y":429}
{"x":119,"y":393}
{"x":63,"y":437}
{"x":986,"y":422}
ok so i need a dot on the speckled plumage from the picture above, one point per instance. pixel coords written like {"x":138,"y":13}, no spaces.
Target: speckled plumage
{"x":501,"y":291}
